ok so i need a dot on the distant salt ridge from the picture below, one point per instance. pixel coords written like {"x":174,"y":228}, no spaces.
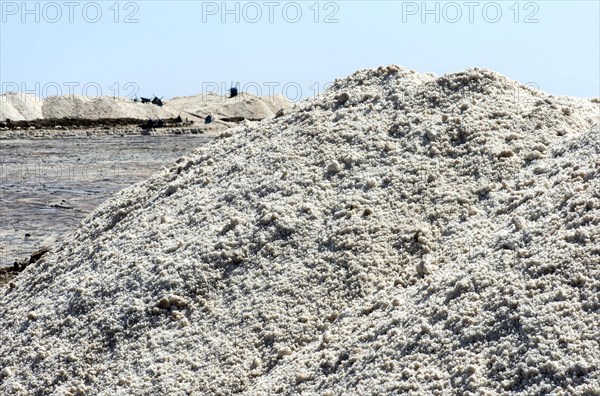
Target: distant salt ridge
{"x":20,"y":107}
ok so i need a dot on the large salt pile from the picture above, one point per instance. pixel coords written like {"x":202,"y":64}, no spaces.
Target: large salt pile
{"x":401,"y":233}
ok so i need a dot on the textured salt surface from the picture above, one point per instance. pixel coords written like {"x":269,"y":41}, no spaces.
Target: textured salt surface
{"x":401,"y":233}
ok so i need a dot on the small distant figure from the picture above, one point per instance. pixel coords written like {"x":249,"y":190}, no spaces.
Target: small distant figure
{"x":233,"y":91}
{"x":157,"y":101}
{"x":146,"y":100}
{"x":178,"y":119}
{"x":208,"y":119}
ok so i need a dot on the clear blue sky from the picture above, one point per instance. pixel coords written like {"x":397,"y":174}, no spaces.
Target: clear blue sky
{"x":181,"y":47}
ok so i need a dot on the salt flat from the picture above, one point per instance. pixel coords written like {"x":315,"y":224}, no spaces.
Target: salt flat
{"x":47,"y":186}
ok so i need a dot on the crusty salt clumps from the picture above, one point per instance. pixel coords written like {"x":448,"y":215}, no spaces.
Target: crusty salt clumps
{"x":399,"y":233}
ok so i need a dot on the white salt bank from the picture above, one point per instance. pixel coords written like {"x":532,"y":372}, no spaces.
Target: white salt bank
{"x":400,"y":233}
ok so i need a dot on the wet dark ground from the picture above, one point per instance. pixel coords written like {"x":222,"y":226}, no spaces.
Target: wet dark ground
{"x":85,"y":123}
{"x":47,"y":186}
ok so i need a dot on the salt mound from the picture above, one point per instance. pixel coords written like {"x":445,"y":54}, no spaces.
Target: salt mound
{"x":20,"y":107}
{"x":100,"y":107}
{"x":244,"y":105}
{"x":401,"y":233}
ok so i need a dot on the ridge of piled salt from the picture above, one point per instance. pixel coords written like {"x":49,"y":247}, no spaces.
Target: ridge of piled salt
{"x":399,"y":233}
{"x":101,"y":107}
{"x":20,"y":106}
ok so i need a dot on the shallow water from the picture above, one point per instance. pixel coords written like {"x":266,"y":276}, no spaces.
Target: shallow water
{"x":47,"y":186}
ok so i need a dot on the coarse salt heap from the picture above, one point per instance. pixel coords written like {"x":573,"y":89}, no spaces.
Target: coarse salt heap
{"x":401,"y":232}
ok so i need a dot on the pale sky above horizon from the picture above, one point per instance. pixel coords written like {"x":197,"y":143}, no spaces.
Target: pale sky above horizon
{"x":175,"y":48}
